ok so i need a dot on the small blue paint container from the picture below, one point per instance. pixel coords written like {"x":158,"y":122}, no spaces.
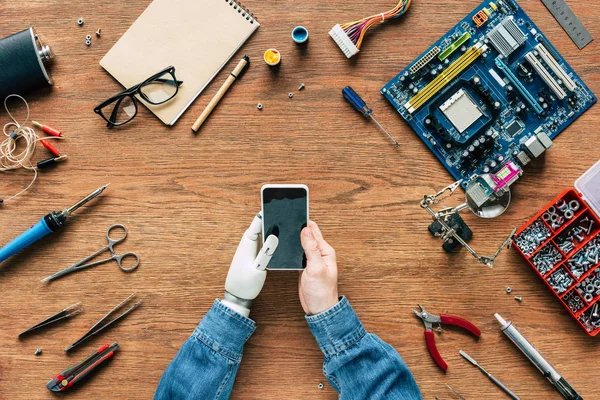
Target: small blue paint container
{"x":300,"y":34}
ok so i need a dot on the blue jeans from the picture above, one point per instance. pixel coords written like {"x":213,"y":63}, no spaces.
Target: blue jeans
{"x":357,"y":364}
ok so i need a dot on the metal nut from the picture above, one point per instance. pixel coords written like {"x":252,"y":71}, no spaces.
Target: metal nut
{"x":80,"y":21}
{"x":508,"y":290}
{"x":574,"y":205}
{"x":88,"y":37}
{"x":88,"y":42}
{"x":259,"y":106}
{"x":290,"y":95}
{"x":569,"y":214}
{"x":320,"y":385}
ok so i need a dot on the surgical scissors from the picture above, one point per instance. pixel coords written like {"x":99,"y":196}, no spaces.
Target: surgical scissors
{"x":110,"y":247}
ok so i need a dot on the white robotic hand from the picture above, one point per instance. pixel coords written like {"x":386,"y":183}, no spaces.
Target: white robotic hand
{"x":247,"y":273}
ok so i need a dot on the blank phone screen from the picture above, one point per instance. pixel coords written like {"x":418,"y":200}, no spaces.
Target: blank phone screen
{"x":285,"y":213}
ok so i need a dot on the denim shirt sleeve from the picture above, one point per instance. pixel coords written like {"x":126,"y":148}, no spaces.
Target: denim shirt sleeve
{"x":206,"y":365}
{"x":358,"y":364}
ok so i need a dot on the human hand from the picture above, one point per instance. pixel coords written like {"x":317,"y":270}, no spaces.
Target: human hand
{"x":317,"y":285}
{"x":247,"y":274}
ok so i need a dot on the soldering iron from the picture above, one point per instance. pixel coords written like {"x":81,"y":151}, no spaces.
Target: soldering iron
{"x":47,"y":225}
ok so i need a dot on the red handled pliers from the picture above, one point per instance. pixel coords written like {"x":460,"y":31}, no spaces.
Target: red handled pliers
{"x":430,"y":319}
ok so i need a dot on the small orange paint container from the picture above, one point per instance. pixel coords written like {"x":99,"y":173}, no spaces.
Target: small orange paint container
{"x":272,"y":57}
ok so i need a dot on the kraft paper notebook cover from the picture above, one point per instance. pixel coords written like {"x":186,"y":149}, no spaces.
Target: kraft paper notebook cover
{"x":197,"y":37}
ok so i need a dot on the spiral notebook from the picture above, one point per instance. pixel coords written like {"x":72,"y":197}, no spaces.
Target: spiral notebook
{"x":197,"y":37}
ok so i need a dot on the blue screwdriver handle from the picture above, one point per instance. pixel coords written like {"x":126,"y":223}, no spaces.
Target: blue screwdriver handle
{"x":357,"y":102}
{"x":27,"y":238}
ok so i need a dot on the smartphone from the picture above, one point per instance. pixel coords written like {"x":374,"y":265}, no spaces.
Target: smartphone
{"x":285,"y":214}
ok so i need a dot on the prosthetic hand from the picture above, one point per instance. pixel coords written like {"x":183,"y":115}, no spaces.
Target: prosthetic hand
{"x":247,"y":272}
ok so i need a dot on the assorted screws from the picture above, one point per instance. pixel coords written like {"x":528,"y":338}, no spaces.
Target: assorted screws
{"x":38,"y":351}
{"x":576,"y":234}
{"x":563,"y":245}
{"x":589,"y":287}
{"x":301,"y":86}
{"x":546,"y":259}
{"x":591,"y":319}
{"x":586,"y":258}
{"x":554,"y":219}
{"x":98,"y":33}
{"x":560,"y":280}
{"x":573,"y":301}
{"x":532,"y":237}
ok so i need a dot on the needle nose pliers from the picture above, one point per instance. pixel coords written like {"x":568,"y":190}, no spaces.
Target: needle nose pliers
{"x":430,"y":319}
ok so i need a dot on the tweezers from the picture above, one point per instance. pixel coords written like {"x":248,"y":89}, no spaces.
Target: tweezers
{"x":104,"y":323}
{"x":70,"y":311}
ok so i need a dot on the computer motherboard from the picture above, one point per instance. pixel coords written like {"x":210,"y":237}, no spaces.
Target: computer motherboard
{"x":489,"y":97}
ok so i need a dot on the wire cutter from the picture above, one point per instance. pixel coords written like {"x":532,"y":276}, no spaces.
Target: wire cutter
{"x":74,"y":374}
{"x":430,"y":319}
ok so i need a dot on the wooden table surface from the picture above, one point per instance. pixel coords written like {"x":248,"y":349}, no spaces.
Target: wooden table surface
{"x":187,"y":200}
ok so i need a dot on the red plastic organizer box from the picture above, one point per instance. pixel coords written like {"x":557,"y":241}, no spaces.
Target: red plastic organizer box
{"x":562,"y":245}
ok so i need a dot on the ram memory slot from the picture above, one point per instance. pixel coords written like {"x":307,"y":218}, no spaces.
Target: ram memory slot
{"x":555,"y":67}
{"x":445,"y":77}
{"x":545,"y":75}
{"x":452,"y":48}
{"x":515,"y":81}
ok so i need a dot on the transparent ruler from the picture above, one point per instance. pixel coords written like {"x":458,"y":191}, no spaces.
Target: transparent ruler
{"x":569,"y":22}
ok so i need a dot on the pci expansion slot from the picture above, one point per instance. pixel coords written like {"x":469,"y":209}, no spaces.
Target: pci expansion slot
{"x":445,"y":77}
{"x":515,"y":81}
{"x":555,"y":67}
{"x":545,"y":75}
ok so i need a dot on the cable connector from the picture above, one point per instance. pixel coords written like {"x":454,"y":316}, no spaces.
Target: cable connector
{"x":343,"y":41}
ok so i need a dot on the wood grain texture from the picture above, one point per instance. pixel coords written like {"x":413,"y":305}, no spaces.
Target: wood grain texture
{"x":187,"y":199}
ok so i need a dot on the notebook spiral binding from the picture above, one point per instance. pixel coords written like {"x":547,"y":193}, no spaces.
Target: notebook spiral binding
{"x":243,"y":11}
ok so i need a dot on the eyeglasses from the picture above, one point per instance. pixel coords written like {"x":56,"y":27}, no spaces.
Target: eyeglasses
{"x":122,"y":108}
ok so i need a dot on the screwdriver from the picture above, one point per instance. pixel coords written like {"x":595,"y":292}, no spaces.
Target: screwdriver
{"x":490,"y":376}
{"x":47,"y":225}
{"x":359,"y":105}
